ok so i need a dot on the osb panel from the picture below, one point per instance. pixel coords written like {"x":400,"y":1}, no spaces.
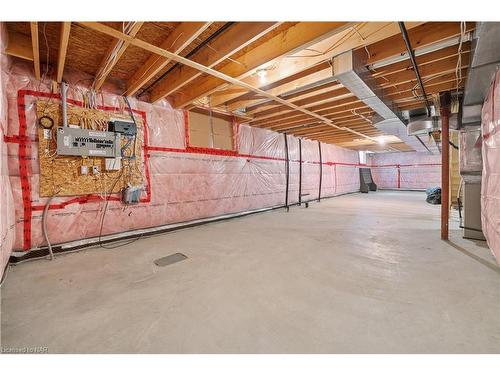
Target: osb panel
{"x":133,"y":57}
{"x":86,"y":48}
{"x":214,"y":27}
{"x":60,"y":175}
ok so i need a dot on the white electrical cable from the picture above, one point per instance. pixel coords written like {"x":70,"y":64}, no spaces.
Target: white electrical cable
{"x":44,"y":226}
{"x":458,"y":69}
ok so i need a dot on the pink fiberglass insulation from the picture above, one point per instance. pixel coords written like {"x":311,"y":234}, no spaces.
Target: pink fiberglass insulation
{"x":405,"y":170}
{"x":490,"y":184}
{"x":182,"y":182}
{"x":6,"y":202}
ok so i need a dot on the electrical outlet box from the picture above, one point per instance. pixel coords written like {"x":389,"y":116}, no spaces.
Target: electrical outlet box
{"x":84,"y":170}
{"x":113,"y":164}
{"x":84,"y":142}
{"x":123,"y":127}
{"x":131,"y":194}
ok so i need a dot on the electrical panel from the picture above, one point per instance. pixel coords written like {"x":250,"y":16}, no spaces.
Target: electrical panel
{"x":84,"y":142}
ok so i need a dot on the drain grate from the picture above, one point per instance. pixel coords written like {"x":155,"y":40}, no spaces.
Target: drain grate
{"x":170,"y":259}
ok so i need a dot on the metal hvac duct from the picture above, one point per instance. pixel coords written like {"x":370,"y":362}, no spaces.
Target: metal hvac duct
{"x":485,"y":61}
{"x":350,"y":69}
{"x":424,"y":126}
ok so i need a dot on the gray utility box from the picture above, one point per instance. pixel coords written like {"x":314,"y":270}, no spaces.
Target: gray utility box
{"x":84,"y":142}
{"x":472,"y":209}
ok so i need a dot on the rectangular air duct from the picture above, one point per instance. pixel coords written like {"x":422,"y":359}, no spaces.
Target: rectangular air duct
{"x":485,"y":62}
{"x":350,"y":69}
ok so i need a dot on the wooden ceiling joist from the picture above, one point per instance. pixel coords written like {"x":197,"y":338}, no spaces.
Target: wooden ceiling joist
{"x":19,"y":45}
{"x":296,"y":37}
{"x":176,"y":42}
{"x":63,"y":47}
{"x":420,"y":36}
{"x":299,"y":94}
{"x":204,"y":69}
{"x":421,"y":60}
{"x":318,"y":73}
{"x":351,"y":36}
{"x":36,"y":48}
{"x":115,"y":51}
{"x":393,"y":87}
{"x":228,"y":43}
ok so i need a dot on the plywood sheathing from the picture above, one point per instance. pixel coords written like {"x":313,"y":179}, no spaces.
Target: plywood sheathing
{"x":60,"y":175}
{"x":214,"y":27}
{"x":151,"y":32}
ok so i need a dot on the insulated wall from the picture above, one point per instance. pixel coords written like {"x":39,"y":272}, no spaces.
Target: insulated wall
{"x":6,"y":203}
{"x":490,"y":185}
{"x":181,"y":182}
{"x":405,"y":170}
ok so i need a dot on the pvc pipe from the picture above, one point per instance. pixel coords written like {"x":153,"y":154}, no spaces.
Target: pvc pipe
{"x":64,"y":90}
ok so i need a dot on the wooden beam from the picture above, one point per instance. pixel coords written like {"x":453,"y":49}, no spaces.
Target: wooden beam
{"x":115,"y":51}
{"x":282,"y":110}
{"x":336,"y":92}
{"x":351,"y":36}
{"x":19,"y":45}
{"x":272,"y":52}
{"x":324,"y":71}
{"x":421,"y":60}
{"x":192,"y":64}
{"x":303,"y":125}
{"x":229,"y":42}
{"x":423,"y":35}
{"x":402,"y":80}
{"x":36,"y":48}
{"x":176,"y":42}
{"x":63,"y":47}
{"x":311,"y":76}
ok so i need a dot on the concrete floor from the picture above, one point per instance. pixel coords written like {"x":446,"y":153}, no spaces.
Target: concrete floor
{"x":354,"y":274}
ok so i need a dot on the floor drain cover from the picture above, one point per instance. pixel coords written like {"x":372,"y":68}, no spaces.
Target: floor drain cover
{"x":170,"y":259}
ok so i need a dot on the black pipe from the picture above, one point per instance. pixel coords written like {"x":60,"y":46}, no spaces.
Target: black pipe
{"x":200,"y":46}
{"x":320,"y":171}
{"x":414,"y":63}
{"x":300,"y":171}
{"x":287,"y":172}
{"x":423,"y":144}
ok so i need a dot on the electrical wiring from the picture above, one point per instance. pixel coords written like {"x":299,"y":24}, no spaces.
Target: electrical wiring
{"x":104,"y":216}
{"x":4,"y":276}
{"x":44,"y":225}
{"x":110,"y":63}
{"x":46,"y":72}
{"x":106,"y":196}
{"x":458,"y":69}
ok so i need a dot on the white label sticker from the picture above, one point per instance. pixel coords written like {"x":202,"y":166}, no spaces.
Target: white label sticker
{"x":97,"y":152}
{"x":66,"y":140}
{"x":97,"y":134}
{"x":47,"y":133}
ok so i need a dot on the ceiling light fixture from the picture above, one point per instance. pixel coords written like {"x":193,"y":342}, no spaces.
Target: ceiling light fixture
{"x":262,"y":73}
